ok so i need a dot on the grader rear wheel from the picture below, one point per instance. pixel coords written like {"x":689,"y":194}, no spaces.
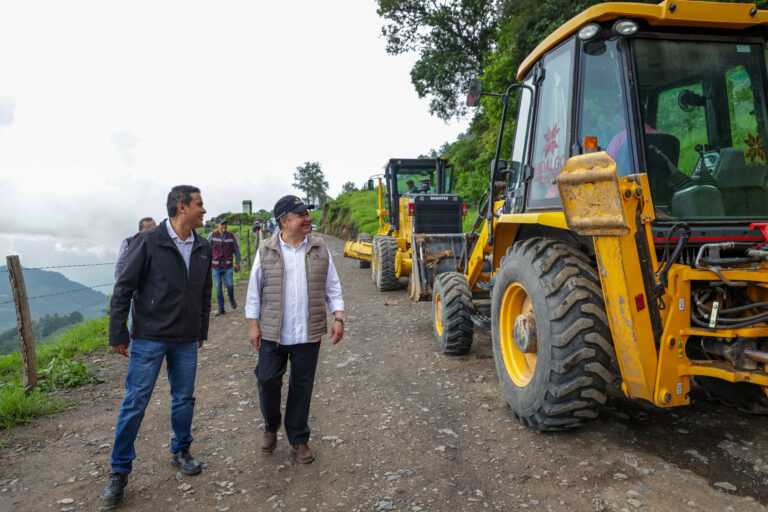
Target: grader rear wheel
{"x":386,"y":278}
{"x":365,"y":238}
{"x":452,"y":313}
{"x":550,"y":335}
{"x":374,"y":259}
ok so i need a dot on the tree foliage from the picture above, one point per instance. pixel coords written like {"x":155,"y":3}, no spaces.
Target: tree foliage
{"x":452,"y":38}
{"x":41,"y":328}
{"x":348,"y":187}
{"x":309,"y":178}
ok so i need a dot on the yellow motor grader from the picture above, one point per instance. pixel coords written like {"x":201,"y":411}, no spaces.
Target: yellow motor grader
{"x":628,"y":224}
{"x":420,"y":226}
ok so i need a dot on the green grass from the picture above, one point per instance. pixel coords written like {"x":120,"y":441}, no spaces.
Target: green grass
{"x":352,"y":212}
{"x":60,"y":367}
{"x":18,"y":406}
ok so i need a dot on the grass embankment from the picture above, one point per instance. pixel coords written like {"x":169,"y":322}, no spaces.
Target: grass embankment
{"x":355,"y":212}
{"x":59,"y":365}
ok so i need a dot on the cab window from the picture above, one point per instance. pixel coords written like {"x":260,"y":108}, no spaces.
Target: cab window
{"x":550,"y":136}
{"x":519,"y":153}
{"x":603,"y":108}
{"x":706,"y":125}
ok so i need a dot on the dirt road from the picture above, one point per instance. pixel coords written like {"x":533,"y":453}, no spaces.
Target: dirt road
{"x":395,"y":426}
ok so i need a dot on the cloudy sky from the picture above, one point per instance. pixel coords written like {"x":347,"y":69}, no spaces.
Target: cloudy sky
{"x":105,"y":105}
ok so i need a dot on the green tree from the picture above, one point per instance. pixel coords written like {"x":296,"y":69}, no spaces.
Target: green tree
{"x":310,"y":179}
{"x":452,"y":38}
{"x":263,"y":214}
{"x":347,"y":187}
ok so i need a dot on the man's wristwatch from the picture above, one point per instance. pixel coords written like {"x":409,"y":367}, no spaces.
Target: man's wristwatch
{"x":337,"y":319}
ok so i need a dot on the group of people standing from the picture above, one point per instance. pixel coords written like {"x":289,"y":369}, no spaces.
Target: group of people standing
{"x":164,"y":277}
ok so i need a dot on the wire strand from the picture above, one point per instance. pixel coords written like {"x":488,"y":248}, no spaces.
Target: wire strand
{"x":62,"y":293}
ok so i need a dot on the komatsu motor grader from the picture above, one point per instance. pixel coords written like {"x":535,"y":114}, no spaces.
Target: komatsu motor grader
{"x":628,"y":224}
{"x":420,"y":226}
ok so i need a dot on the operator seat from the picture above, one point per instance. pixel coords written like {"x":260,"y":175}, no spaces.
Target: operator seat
{"x":743,"y":188}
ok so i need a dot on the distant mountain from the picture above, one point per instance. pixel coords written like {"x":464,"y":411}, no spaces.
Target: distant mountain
{"x":90,"y":303}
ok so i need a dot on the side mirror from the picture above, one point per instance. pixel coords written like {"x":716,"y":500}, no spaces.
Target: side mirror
{"x":475,"y":89}
{"x":687,"y":100}
{"x":497,"y":166}
{"x":370,"y":184}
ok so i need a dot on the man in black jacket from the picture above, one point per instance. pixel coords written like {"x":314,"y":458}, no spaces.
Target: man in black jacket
{"x":167,"y":272}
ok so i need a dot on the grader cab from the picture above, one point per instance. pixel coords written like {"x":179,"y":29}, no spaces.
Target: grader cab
{"x":420,"y":226}
{"x":628,"y":224}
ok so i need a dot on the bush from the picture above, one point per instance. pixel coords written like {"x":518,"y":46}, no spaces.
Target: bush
{"x":65,"y":374}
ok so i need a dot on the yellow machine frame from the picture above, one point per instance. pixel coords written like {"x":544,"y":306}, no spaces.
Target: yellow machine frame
{"x":660,"y":375}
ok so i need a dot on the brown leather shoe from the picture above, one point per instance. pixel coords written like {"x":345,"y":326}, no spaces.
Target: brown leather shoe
{"x":303,"y":453}
{"x":268,"y":441}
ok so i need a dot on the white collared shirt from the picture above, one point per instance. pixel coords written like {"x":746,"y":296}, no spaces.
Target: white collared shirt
{"x":296,"y":311}
{"x":184,"y":246}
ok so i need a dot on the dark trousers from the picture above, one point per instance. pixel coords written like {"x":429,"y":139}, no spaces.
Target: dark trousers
{"x":273,"y":361}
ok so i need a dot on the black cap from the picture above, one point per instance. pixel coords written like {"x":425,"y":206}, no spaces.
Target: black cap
{"x":287,"y":204}
{"x":223,"y":221}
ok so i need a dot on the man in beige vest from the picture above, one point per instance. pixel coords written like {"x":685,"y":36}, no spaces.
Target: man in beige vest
{"x":292,"y":280}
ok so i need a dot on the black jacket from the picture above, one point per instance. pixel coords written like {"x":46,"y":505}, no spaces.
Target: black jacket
{"x":168,"y":303}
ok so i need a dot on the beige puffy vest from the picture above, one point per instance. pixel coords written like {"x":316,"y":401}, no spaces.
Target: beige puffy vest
{"x":273,"y":288}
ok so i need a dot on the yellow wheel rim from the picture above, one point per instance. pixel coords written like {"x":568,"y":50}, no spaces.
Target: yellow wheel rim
{"x":520,"y":365}
{"x":438,"y":314}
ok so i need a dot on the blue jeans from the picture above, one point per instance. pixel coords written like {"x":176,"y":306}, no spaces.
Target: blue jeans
{"x":227,"y":275}
{"x":143,"y":367}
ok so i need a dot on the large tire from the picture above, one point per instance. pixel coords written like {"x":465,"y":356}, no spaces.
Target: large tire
{"x":452,"y":313}
{"x":744,"y":396}
{"x":386,"y":278}
{"x":364,"y":238}
{"x":550,"y":335}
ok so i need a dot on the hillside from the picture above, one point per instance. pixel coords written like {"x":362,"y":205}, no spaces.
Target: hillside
{"x":90,"y":303}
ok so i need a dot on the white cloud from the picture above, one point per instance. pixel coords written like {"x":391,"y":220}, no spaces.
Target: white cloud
{"x":7,"y":109}
{"x":124,"y":142}
{"x":112,"y":106}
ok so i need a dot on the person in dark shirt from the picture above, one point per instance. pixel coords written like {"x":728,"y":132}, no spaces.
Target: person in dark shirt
{"x":167,"y":272}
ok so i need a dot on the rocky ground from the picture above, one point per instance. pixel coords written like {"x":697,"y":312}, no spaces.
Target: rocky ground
{"x":395,"y":426}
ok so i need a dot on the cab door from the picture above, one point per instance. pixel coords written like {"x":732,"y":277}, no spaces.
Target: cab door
{"x":552,"y":126}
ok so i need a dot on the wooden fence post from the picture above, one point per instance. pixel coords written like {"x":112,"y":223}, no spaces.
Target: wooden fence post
{"x":23,"y":320}
{"x":248,"y":246}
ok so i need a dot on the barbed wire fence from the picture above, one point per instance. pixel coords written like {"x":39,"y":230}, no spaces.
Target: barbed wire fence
{"x":21,"y":301}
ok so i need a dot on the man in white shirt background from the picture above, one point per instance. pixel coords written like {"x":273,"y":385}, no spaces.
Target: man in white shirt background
{"x":292,"y":281}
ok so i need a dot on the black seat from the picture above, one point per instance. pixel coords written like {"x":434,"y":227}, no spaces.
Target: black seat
{"x":743,"y":188}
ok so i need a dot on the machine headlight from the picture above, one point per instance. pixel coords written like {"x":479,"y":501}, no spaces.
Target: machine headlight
{"x":625,"y":27}
{"x":589,"y":31}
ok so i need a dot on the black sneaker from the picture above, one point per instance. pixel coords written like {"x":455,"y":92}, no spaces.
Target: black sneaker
{"x":233,"y":303}
{"x":219,"y":312}
{"x":188,"y":464}
{"x":113,"y":491}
